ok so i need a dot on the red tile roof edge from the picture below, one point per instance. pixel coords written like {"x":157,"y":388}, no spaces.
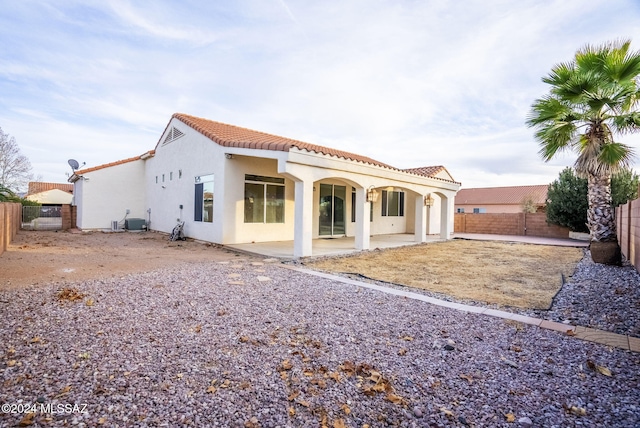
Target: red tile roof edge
{"x":430,"y":171}
{"x":234,"y":136}
{"x":120,"y":162}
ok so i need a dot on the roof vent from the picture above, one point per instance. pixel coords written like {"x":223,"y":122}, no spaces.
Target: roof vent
{"x":174,"y":134}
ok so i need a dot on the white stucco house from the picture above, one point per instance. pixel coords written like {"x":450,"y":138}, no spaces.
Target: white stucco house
{"x":233,"y":185}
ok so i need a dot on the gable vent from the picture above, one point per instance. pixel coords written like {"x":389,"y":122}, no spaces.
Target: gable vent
{"x":174,"y":134}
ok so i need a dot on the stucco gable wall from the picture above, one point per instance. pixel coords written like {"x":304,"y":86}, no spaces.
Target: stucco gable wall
{"x":170,"y":180}
{"x":105,"y":194}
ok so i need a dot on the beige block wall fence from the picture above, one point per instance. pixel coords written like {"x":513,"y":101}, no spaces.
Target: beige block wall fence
{"x":10,"y":218}
{"x":628,"y":229}
{"x":521,"y":224}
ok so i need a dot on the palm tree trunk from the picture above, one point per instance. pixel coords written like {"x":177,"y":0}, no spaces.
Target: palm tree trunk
{"x":601,"y":218}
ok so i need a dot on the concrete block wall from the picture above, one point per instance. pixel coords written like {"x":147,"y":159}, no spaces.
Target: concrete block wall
{"x":628,"y":231}
{"x":534,"y":224}
{"x":537,"y":225}
{"x":68,"y":220}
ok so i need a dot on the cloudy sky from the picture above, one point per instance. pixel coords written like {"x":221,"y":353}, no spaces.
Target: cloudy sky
{"x":410,"y":83}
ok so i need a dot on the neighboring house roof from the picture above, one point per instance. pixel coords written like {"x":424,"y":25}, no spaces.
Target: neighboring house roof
{"x":235,"y":136}
{"x":39,"y":187}
{"x":513,"y":195}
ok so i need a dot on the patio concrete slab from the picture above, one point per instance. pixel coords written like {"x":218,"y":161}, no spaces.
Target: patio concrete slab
{"x":346,"y":245}
{"x":539,"y":240}
{"x":329,"y":246}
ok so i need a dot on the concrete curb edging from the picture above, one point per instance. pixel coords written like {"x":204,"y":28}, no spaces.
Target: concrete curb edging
{"x":628,"y":343}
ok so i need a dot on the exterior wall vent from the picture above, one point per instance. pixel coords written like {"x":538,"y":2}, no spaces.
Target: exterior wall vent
{"x":173,"y":134}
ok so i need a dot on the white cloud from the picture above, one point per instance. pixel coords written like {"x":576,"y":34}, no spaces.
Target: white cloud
{"x":408,"y":83}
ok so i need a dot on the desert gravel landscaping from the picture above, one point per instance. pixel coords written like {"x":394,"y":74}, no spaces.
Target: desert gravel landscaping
{"x":231,"y":340}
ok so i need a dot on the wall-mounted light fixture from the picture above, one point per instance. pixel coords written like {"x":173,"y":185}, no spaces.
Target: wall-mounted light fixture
{"x":372,"y":195}
{"x":228,"y":155}
{"x":428,"y":200}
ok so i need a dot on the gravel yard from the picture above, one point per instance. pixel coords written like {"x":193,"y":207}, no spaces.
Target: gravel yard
{"x":245,"y":343}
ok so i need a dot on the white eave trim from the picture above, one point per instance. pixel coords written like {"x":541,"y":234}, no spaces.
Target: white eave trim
{"x":74,"y":177}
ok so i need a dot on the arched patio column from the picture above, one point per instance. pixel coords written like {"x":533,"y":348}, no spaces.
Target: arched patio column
{"x":363,"y":225}
{"x":303,"y":222}
{"x":421,"y":220}
{"x":446,"y":210}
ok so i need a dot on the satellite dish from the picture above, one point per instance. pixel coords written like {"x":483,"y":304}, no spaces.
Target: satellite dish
{"x":73,"y":164}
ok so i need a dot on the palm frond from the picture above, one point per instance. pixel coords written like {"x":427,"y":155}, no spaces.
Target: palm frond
{"x":626,"y":123}
{"x":559,"y":74}
{"x":622,"y":65}
{"x":598,"y":91}
{"x":555,"y":137}
{"x":617,"y":155}
{"x":6,"y":194}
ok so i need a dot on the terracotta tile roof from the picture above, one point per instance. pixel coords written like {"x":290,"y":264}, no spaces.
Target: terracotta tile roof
{"x":513,"y":195}
{"x":432,"y":172}
{"x":107,"y":165}
{"x":39,"y":187}
{"x":428,"y":171}
{"x":235,"y":136}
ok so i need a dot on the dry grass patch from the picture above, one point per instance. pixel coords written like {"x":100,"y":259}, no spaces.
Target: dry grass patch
{"x":511,"y":274}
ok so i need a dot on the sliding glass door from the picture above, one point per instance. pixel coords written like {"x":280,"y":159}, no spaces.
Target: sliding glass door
{"x":332,"y":210}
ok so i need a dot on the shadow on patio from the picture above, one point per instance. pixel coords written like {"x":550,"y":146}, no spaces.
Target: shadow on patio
{"x":329,"y":246}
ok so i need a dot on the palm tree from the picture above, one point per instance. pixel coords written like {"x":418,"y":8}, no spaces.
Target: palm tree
{"x":6,"y":195}
{"x":592,"y":98}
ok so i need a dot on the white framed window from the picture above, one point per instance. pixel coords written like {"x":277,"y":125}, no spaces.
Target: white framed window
{"x":460,"y":210}
{"x":263,"y":199}
{"x":392,"y":204}
{"x":479,"y":210}
{"x":203,"y":198}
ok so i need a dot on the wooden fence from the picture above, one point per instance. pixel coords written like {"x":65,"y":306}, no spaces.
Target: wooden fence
{"x":529,"y":224}
{"x":628,"y":230}
{"x":10,"y":215}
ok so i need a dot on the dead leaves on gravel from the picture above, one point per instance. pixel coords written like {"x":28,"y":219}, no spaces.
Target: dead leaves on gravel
{"x":73,"y":295}
{"x":69,"y":295}
{"x":304,"y":381}
{"x":598,"y":368}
